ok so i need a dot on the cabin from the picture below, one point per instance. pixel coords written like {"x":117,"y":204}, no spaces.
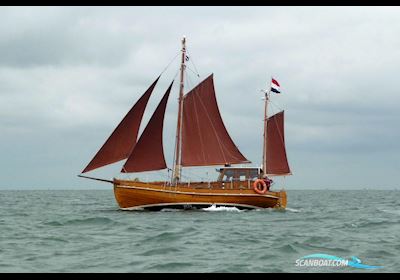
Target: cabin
{"x":238,"y":177}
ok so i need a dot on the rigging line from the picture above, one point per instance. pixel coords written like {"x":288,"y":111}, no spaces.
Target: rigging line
{"x":271,"y":109}
{"x":192,"y":71}
{"x":192,"y":61}
{"x":225,"y":152}
{"x":275,"y":105}
{"x":280,"y":133}
{"x":198,"y":129}
{"x":189,"y":82}
{"x":221,"y":147}
{"x":170,"y":63}
{"x":195,"y":175}
{"x":173,"y":159}
{"x":176,"y":74}
{"x":163,"y":175}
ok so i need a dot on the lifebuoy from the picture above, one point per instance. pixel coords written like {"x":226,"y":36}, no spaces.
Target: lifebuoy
{"x":260,"y":186}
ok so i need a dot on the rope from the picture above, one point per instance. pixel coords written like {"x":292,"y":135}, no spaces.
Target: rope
{"x":192,"y":61}
{"x":275,"y":105}
{"x":194,"y":175}
{"x":189,"y":82}
{"x":192,"y":71}
{"x":170,"y":64}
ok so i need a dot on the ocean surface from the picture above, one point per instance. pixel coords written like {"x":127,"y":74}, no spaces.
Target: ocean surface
{"x":84,"y":231}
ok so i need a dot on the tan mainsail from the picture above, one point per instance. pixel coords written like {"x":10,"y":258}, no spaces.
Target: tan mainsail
{"x":205,"y":140}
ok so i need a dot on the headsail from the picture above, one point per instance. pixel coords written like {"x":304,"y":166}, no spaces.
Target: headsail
{"x":148,"y":153}
{"x":277,"y":163}
{"x":205,"y":140}
{"x":123,"y":139}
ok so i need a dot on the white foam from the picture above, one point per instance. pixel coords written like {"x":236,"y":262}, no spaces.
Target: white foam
{"x":215,"y":208}
{"x":292,"y":210}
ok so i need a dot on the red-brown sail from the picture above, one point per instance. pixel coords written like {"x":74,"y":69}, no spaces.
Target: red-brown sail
{"x":148,"y":153}
{"x":205,"y":140}
{"x":277,"y":163}
{"x":123,"y":139}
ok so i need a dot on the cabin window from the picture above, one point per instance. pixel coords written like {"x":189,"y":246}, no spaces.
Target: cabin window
{"x":243,"y":175}
{"x":227,"y":178}
{"x":228,"y":175}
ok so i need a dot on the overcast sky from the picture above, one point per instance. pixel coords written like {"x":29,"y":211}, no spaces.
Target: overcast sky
{"x":68,"y":75}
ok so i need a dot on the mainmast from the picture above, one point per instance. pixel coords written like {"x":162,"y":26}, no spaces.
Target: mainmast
{"x":264,"y":162}
{"x":177,"y":162}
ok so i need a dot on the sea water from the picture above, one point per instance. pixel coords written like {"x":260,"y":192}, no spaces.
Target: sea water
{"x":84,"y":231}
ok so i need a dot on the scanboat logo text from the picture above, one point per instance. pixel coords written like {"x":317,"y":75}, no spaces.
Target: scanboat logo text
{"x":332,"y":261}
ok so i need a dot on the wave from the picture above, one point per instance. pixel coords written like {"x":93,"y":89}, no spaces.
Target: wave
{"x":85,"y":221}
{"x":391,"y":211}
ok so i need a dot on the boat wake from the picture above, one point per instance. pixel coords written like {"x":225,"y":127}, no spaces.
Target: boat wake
{"x":215,"y":208}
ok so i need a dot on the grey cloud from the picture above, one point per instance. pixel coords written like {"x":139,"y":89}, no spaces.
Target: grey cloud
{"x":69,"y":74}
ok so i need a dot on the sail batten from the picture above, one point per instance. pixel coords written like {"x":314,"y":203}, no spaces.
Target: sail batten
{"x":277,"y":163}
{"x":148,"y":154}
{"x":121,"y":142}
{"x":205,"y":140}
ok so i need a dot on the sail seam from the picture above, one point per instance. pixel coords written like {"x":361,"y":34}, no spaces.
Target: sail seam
{"x":214,"y":130}
{"x":199,"y":130}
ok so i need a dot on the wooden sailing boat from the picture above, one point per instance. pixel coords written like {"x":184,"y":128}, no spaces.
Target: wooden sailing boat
{"x":201,"y":140}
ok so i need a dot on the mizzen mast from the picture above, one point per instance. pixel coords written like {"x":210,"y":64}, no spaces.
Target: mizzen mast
{"x":178,"y":140}
{"x":264,"y":160}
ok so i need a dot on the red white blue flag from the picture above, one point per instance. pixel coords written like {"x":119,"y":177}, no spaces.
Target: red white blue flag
{"x":275,"y":87}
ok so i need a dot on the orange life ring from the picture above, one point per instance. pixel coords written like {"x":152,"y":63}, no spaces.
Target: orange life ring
{"x":257,"y":188}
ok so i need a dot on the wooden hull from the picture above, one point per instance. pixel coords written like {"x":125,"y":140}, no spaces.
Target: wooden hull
{"x":131,"y":195}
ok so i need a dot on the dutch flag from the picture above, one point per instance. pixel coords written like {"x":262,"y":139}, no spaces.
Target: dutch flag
{"x":275,"y":87}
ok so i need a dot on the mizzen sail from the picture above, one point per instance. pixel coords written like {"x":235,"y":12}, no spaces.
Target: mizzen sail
{"x":123,"y":139}
{"x":205,"y":140}
{"x":277,"y":163}
{"x":148,"y":153}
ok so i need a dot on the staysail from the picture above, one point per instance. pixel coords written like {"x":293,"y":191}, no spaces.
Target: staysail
{"x":205,"y":140}
{"x":148,"y":153}
{"x":123,"y":139}
{"x":277,"y":163}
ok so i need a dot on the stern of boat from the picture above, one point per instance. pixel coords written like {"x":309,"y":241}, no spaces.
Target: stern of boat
{"x":282,"y":202}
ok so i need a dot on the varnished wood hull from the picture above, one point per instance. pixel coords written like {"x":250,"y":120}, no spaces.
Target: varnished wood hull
{"x":132,"y":195}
